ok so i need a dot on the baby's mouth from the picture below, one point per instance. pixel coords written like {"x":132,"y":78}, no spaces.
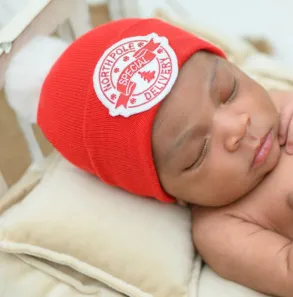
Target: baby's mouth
{"x":263,"y":150}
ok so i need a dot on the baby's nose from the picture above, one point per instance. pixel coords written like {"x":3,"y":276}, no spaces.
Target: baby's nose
{"x":234,"y":130}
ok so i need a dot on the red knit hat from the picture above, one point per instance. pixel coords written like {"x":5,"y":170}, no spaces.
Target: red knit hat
{"x":99,"y":101}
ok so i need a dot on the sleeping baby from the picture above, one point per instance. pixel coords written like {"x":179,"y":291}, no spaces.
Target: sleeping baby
{"x":160,"y":113}
{"x":226,"y":160}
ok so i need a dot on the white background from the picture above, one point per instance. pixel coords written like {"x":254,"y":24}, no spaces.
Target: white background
{"x":272,"y":19}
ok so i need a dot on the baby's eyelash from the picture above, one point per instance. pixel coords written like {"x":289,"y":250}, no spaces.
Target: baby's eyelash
{"x":234,"y":91}
{"x":202,"y":154}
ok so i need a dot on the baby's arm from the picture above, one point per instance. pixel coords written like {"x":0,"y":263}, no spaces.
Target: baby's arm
{"x":244,"y":252}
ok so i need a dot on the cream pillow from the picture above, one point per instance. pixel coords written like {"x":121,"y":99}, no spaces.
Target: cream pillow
{"x":135,"y":245}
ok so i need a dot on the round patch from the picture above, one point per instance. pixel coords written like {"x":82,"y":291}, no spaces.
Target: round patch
{"x":135,"y":74}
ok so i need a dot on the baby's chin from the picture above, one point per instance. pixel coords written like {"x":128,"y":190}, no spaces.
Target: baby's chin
{"x":218,"y":201}
{"x":232,"y":196}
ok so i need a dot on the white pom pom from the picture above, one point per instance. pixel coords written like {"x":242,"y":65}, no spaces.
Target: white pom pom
{"x":27,"y":72}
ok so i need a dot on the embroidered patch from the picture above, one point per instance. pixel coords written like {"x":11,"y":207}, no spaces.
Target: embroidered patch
{"x":135,"y":74}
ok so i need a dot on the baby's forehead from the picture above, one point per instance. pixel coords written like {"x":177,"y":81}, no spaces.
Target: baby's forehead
{"x":191,"y":81}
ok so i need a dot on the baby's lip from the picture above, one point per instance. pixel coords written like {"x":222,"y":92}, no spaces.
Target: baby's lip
{"x":263,"y":149}
{"x":261,"y":142}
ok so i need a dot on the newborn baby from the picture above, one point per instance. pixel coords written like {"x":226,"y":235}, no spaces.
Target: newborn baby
{"x":158,"y":112}
{"x":226,"y":147}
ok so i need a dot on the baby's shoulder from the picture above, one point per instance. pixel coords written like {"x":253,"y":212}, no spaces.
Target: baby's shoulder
{"x":216,"y":220}
{"x":219,"y":234}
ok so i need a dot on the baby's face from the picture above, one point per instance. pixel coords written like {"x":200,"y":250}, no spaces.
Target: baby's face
{"x":215,"y":136}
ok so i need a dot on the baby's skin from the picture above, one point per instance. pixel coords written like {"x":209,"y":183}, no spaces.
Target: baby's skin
{"x":217,"y":142}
